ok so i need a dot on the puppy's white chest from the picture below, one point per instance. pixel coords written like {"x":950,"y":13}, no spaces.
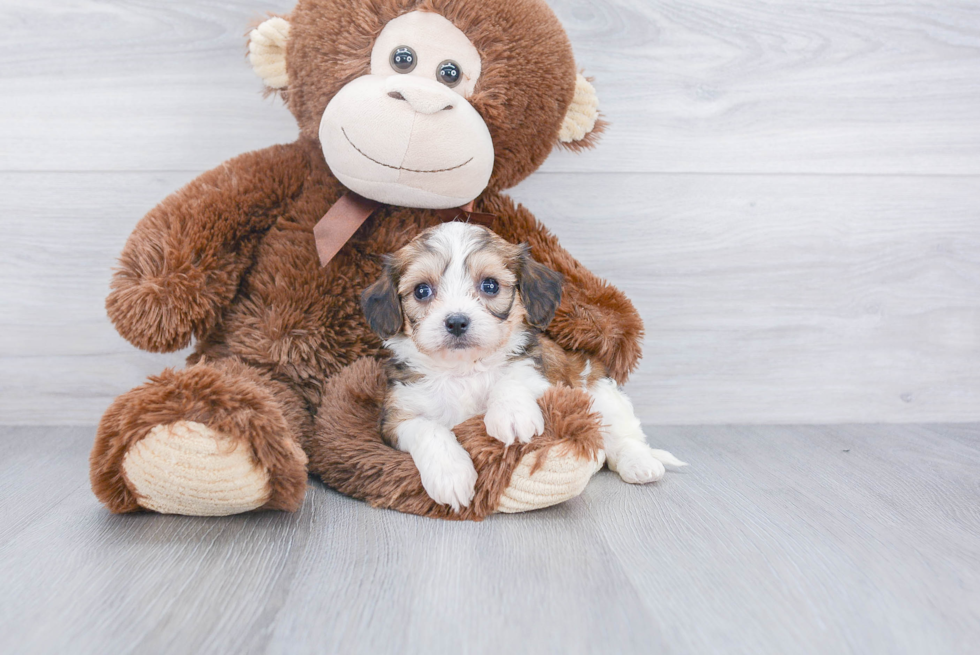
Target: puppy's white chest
{"x":451,"y":399}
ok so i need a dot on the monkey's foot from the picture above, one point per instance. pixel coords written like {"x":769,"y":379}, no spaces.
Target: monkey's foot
{"x":188,"y":468}
{"x":215,"y":438}
{"x":561,"y":477}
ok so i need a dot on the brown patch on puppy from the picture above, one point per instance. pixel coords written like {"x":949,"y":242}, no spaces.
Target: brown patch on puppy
{"x":594,"y":317}
{"x":420,"y":263}
{"x":391,"y":415}
{"x":499,"y":260}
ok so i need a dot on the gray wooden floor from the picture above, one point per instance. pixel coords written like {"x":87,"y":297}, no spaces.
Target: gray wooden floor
{"x":862,"y":539}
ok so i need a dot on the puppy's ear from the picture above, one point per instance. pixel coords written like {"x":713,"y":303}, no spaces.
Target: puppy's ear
{"x":381,"y":304}
{"x":540,"y":289}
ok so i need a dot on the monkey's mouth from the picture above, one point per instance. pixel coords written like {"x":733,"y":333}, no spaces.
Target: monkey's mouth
{"x":400,"y":168}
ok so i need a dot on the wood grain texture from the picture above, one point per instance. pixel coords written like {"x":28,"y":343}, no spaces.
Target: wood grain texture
{"x":787,"y":299}
{"x":881,"y":86}
{"x":789,"y":192}
{"x":847,"y":539}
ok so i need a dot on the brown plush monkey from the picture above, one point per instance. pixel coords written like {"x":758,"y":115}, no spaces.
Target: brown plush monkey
{"x":420,"y":107}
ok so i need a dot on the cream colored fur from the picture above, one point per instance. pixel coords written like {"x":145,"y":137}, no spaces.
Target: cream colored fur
{"x":392,"y":139}
{"x":187,"y":468}
{"x":434,"y":40}
{"x":582,"y":113}
{"x":562,"y":476}
{"x":267,"y":52}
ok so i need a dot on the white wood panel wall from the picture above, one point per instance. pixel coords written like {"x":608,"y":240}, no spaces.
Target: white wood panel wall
{"x":790,"y":192}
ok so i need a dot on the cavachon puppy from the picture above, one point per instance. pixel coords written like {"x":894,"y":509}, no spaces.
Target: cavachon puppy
{"x":462,"y":312}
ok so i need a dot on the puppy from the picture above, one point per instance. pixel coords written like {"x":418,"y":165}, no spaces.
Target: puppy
{"x":462,"y":313}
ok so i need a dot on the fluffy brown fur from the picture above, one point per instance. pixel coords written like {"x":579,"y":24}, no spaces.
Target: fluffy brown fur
{"x":228,"y":396}
{"x":348,"y":453}
{"x":230,"y":260}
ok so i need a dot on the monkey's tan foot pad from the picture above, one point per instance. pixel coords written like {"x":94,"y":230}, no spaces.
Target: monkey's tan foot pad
{"x":188,"y":468}
{"x":561,"y":477}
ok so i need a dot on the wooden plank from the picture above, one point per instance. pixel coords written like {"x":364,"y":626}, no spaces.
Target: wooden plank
{"x":104,"y":85}
{"x":775,"y":300}
{"x":880,"y":86}
{"x":787,"y":299}
{"x":775,"y":540}
{"x":139,"y":583}
{"x":37,"y":478}
{"x":829,"y":539}
{"x":401,"y":584}
{"x":884,"y":86}
{"x":61,"y":361}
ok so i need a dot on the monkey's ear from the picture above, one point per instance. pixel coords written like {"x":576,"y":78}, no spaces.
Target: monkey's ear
{"x":582,"y":125}
{"x":540,"y":289}
{"x":381,"y":304}
{"x":267,"y":52}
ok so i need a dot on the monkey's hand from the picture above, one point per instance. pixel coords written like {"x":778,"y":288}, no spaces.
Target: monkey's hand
{"x":158,"y":304}
{"x":597,"y":318}
{"x":183,"y":263}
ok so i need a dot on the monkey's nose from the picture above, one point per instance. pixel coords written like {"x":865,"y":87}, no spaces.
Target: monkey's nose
{"x":424,"y":96}
{"x":457,"y":324}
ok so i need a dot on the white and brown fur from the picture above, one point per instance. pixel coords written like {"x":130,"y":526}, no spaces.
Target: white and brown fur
{"x":499,"y":366}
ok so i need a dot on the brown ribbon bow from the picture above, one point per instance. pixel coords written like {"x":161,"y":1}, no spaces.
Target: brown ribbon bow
{"x":348,"y":214}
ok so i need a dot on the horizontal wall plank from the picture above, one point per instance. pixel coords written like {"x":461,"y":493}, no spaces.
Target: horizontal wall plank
{"x":788,"y":299}
{"x":766,"y":299}
{"x":880,"y":86}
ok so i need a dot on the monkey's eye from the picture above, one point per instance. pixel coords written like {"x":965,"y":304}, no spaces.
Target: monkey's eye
{"x":449,"y":73}
{"x":423,"y":291}
{"x":403,"y":59}
{"x":490,"y":287}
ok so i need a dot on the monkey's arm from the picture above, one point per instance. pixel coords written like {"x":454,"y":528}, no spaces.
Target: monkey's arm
{"x":594,"y":316}
{"x":184,"y":260}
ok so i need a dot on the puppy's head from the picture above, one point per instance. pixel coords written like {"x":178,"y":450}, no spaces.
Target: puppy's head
{"x":460,"y":292}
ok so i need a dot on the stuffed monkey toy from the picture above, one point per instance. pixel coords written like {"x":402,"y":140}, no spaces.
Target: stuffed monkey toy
{"x":411,"y":113}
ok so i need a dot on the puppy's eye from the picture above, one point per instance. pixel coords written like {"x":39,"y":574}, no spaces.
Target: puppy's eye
{"x":449,"y":73}
{"x":423,"y":291}
{"x":403,"y":59}
{"x":490,"y":287}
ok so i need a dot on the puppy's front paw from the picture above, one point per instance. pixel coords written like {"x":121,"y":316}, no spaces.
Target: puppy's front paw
{"x":637,"y":464}
{"x":520,"y":419}
{"x":448,"y":475}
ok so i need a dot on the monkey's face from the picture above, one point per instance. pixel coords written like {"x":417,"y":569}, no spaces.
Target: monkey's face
{"x":426,"y":103}
{"x":405,"y":134}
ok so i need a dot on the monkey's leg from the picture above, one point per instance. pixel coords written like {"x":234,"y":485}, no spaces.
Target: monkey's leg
{"x":213,"y":439}
{"x":347,"y":451}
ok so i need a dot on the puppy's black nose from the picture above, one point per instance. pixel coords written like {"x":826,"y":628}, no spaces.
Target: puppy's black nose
{"x":456,"y":324}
